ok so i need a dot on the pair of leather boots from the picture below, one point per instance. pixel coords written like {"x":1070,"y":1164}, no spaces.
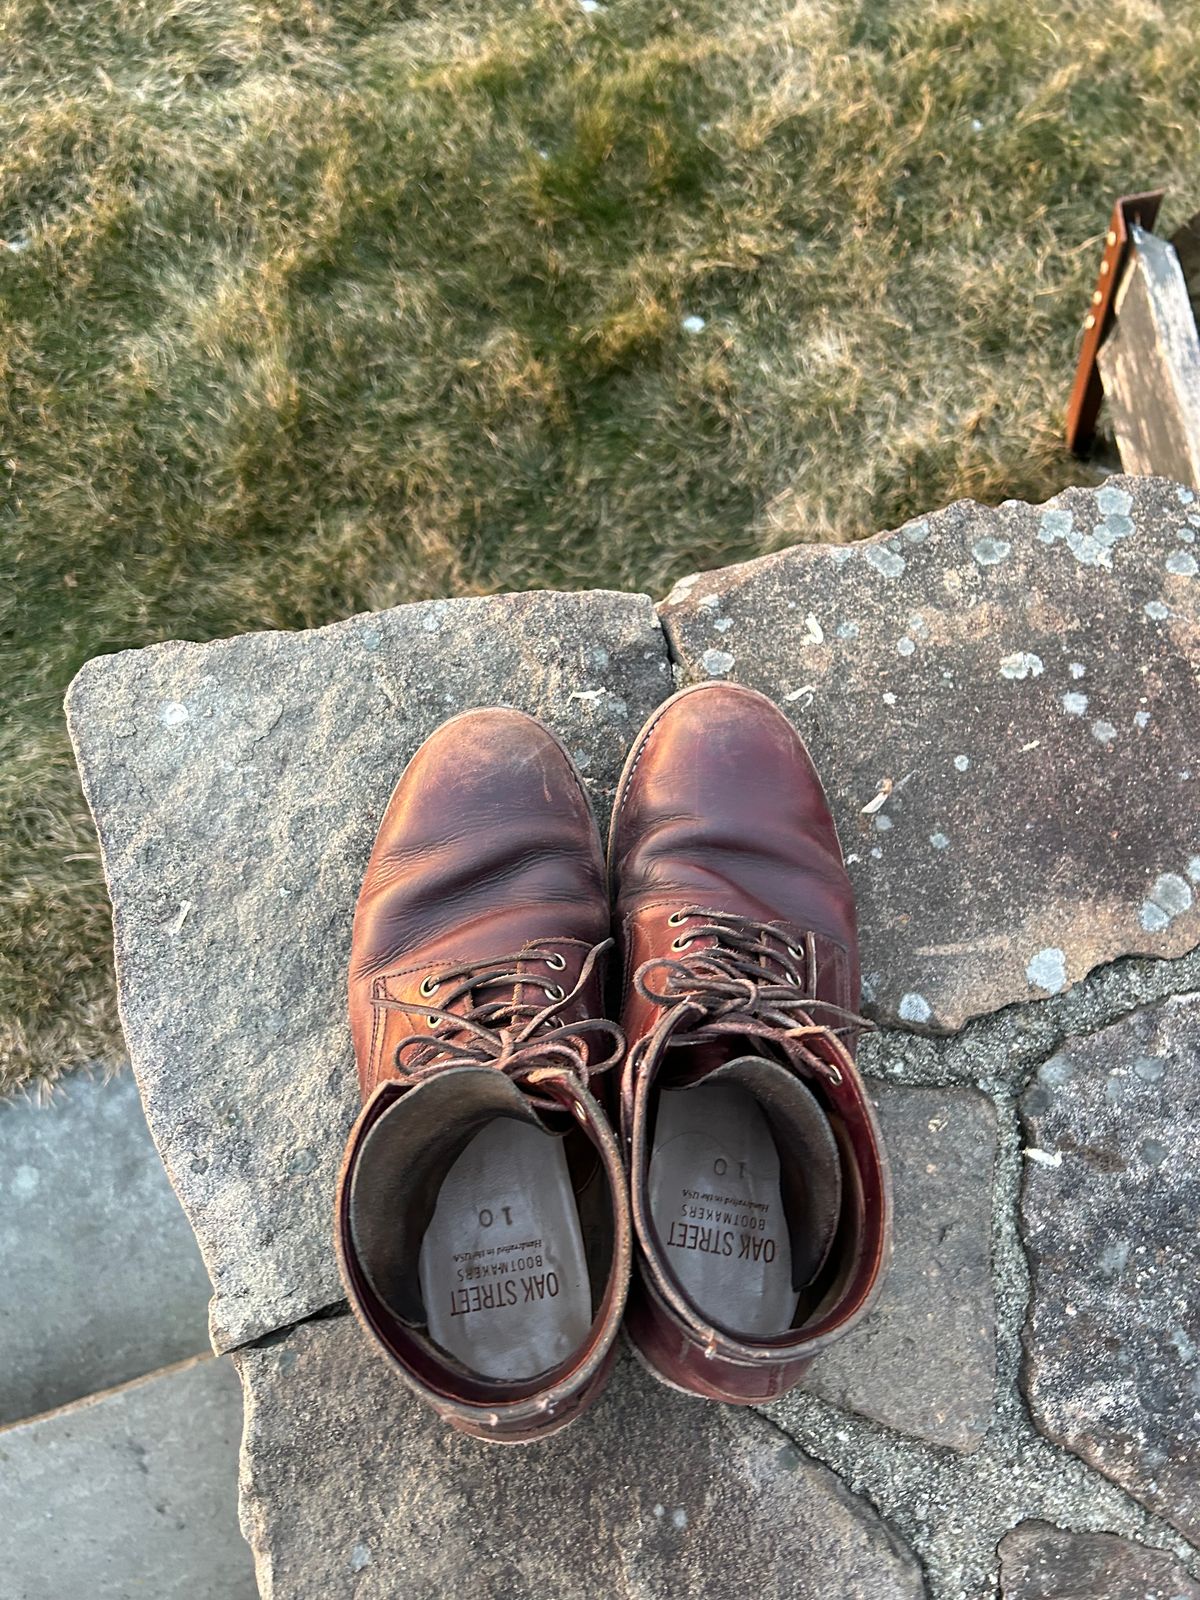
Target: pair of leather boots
{"x":492,"y":1229}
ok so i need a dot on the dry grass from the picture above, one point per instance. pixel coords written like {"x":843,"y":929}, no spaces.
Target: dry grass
{"x":321,"y":306}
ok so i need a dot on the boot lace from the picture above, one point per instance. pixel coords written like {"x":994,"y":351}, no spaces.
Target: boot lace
{"x":519,"y":1037}
{"x":749,"y":981}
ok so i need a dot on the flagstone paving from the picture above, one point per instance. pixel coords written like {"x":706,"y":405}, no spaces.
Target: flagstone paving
{"x":1110,"y":1221}
{"x":1005,"y":709}
{"x":1005,"y":705}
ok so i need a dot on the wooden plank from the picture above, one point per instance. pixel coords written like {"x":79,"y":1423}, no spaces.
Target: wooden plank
{"x":1087,"y":391}
{"x":1150,"y":365}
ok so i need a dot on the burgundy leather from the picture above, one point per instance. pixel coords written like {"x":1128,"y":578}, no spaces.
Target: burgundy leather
{"x":488,"y":849}
{"x":721,"y":822}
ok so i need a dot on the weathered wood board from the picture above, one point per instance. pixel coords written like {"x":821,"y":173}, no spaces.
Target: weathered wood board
{"x":1150,"y":365}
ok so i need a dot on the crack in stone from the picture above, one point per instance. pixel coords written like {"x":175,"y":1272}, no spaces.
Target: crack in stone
{"x":1013,"y":1285}
{"x":791,"y":1443}
{"x":264,"y":1341}
{"x":1000,"y":1051}
{"x":953,"y":1508}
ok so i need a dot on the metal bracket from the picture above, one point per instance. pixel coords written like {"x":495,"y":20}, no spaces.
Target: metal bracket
{"x":1087,"y":392}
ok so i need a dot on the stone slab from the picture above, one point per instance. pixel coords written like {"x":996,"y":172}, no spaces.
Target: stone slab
{"x":100,"y":1277}
{"x":938,"y":1296}
{"x":131,"y":1493}
{"x":1004,"y":705}
{"x":1109,"y":1205}
{"x":236,"y":788}
{"x":349,"y":1486}
{"x":1041,"y":1562}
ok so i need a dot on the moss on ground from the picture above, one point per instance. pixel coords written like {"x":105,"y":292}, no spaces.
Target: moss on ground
{"x":312,"y":307}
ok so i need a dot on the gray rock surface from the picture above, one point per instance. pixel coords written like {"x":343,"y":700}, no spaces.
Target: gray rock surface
{"x":1108,"y":1213}
{"x":100,"y":1278}
{"x":938,"y":1296}
{"x":1021,"y":682}
{"x":1041,"y":1562}
{"x":350,"y":1487}
{"x":1019,"y":837}
{"x":236,"y":788}
{"x":130,"y":1494}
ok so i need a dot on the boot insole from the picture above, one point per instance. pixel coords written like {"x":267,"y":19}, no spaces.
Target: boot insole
{"x":502,"y":1268}
{"x":717,"y":1206}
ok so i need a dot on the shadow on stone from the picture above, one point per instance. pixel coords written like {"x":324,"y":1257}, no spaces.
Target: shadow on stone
{"x":938,"y":1294}
{"x":350,"y":1486}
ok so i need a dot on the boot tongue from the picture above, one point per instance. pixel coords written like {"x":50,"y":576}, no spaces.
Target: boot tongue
{"x":810,"y":1167}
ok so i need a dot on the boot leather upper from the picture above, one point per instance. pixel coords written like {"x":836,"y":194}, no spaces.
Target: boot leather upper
{"x":487,"y":861}
{"x":488,"y":847}
{"x":721,"y":809}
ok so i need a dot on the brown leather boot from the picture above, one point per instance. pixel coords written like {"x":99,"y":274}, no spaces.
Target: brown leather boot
{"x":482,"y":1217}
{"x":759,"y":1186}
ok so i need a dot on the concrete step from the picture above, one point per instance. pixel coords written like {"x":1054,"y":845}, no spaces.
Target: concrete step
{"x":128,"y":1494}
{"x":100,"y":1277}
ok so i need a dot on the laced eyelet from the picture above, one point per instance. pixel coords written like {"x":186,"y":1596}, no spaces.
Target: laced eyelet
{"x":676,"y":918}
{"x":681,"y":943}
{"x":429,"y":987}
{"x":555,"y":962}
{"x":556,"y":992}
